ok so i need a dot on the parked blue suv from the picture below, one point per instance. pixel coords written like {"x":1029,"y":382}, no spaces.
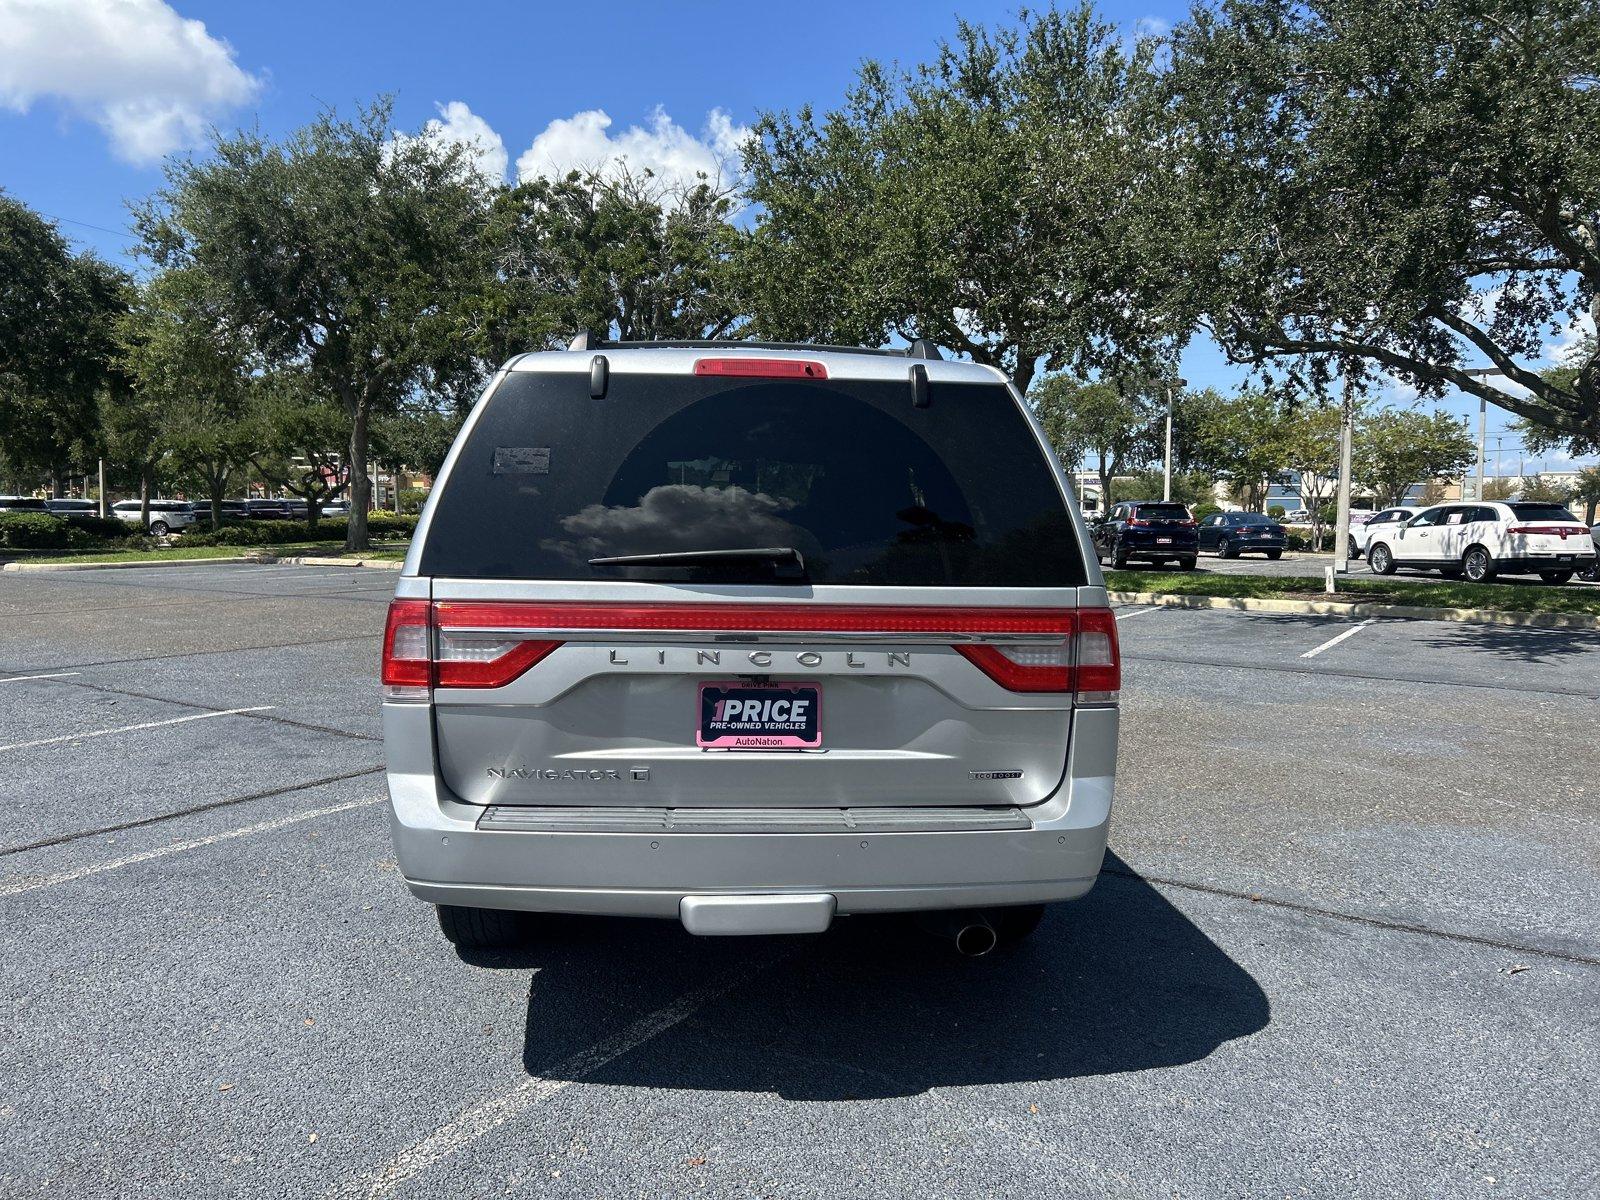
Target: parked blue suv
{"x":1152,"y":531}
{"x":1234,"y":533}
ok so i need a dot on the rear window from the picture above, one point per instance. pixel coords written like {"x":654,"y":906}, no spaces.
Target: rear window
{"x":868,"y":488}
{"x":28,"y":503}
{"x":1542,"y":512}
{"x":1253,"y":519}
{"x":1161,"y":512}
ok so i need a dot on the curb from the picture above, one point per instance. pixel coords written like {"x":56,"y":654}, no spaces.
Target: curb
{"x":125,"y":564}
{"x":1336,"y":608}
{"x":310,"y":560}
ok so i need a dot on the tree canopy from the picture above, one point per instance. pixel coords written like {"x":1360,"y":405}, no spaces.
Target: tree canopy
{"x":1395,"y":449}
{"x":1008,"y":200}
{"x":1408,"y":188}
{"x":342,"y":252}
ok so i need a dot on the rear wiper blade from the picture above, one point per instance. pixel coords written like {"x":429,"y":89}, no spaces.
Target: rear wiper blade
{"x":786,"y":561}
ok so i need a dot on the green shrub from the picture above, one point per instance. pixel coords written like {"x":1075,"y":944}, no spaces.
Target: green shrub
{"x":102,"y":528}
{"x":388,"y":524}
{"x":1277,"y":512}
{"x":33,"y":531}
{"x":1202,"y":511}
{"x":288,"y":533}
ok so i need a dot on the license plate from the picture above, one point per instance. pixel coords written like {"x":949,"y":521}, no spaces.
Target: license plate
{"x":1566,"y":558}
{"x":1163,"y":541}
{"x":759,"y":716}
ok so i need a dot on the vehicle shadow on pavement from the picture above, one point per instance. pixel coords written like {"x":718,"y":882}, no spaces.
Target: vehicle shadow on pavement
{"x":1119,"y":981}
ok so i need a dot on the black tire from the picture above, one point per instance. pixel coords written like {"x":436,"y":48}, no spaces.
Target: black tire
{"x":482,"y":928}
{"x":1119,"y":557}
{"x":160,"y":528}
{"x":1186,"y":564}
{"x":1556,"y":577}
{"x":1353,"y":552}
{"x":1224,"y":550}
{"x":1380,"y":559}
{"x":1591,"y":573}
{"x":1014,"y":923}
{"x":1477,"y":564}
{"x":1274,"y":555}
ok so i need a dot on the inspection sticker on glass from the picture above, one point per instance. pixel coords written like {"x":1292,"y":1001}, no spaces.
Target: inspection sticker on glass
{"x":522,"y":460}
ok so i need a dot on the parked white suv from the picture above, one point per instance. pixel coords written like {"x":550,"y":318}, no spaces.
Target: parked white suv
{"x":1380,"y":525}
{"x":1481,"y":541}
{"x":749,"y":637}
{"x":165,"y":515}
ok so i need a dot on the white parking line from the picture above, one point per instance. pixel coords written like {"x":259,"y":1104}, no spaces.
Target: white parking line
{"x":16,"y":887}
{"x":496,"y":1111}
{"x":1138,"y":612}
{"x":1334,"y":641}
{"x":51,"y":675}
{"x":94,"y":733}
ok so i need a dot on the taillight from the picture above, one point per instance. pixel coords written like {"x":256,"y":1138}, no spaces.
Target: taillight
{"x":423,"y":650}
{"x":1550,"y":530}
{"x":1137,"y":521}
{"x":1184,"y":524}
{"x":559,"y":616}
{"x":761,"y":368}
{"x":407,"y":658}
{"x":1085,"y":661}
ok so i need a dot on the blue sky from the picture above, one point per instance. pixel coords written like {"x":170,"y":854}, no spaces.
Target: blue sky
{"x":104,"y":86}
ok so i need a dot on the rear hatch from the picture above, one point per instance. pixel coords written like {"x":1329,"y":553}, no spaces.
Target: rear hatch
{"x":1548,"y":531}
{"x":1162,"y":524}
{"x":718,"y":587}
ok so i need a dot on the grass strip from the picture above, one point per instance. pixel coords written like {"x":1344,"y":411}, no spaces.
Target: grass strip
{"x":1501,"y":597}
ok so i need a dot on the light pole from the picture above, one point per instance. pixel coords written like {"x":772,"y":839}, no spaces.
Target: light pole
{"x":1483,"y":417}
{"x":1166,"y":460}
{"x":1341,"y":524}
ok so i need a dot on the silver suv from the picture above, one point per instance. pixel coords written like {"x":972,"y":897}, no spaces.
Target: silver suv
{"x":749,"y":637}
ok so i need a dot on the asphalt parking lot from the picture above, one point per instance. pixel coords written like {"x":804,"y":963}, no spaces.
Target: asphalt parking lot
{"x":1348,"y":942}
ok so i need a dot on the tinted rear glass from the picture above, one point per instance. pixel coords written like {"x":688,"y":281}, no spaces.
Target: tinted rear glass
{"x":1542,"y":512}
{"x":1254,"y":519}
{"x":868,"y":488}
{"x":1161,"y":512}
{"x":31,"y":504}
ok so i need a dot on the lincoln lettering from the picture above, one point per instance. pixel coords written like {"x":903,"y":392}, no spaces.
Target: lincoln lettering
{"x":764,"y":659}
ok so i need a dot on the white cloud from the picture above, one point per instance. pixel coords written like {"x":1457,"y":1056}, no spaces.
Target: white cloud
{"x":668,"y":151}
{"x":1151,"y":27}
{"x":459,"y":124}
{"x":151,"y":79}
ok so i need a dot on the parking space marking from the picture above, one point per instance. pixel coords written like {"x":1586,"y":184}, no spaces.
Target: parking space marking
{"x":50,"y":675}
{"x":483,"y":1118}
{"x":94,"y":733}
{"x":1138,"y":612}
{"x":16,"y":887}
{"x":1334,"y":641}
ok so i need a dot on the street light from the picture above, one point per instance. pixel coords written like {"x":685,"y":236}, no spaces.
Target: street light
{"x":1166,"y":461}
{"x":1483,"y":418}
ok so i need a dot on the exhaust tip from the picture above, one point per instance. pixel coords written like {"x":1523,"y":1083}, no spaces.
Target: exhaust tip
{"x":976,"y":940}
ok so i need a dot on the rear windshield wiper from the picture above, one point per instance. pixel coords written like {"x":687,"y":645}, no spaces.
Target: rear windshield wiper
{"x":786,"y":562}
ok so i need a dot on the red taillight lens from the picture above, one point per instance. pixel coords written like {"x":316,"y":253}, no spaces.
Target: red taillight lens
{"x":761,"y":368}
{"x":407,"y":658}
{"x":1137,"y":521}
{"x":1184,"y":524}
{"x":1086,"y":661}
{"x":1550,"y":530}
{"x":751,"y":618}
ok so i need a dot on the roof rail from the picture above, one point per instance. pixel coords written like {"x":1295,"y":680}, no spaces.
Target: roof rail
{"x":588,"y":340}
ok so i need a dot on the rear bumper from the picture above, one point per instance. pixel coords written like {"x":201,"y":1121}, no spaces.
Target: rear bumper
{"x":1150,"y":548}
{"x":1543,"y":562}
{"x":447,"y":858}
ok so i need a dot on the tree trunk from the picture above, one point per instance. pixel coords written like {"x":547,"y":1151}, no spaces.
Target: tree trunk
{"x":144,"y":500}
{"x":355,"y":537}
{"x":1105,"y":485}
{"x":1023,"y":375}
{"x":219,"y":484}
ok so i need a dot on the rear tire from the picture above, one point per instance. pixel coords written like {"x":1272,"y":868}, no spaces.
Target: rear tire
{"x":482,"y":928}
{"x":1014,"y":924}
{"x":1224,"y":550}
{"x":1274,"y":555}
{"x":1555,"y":576}
{"x":1186,"y":564}
{"x":1477,"y":565}
{"x":1119,"y":557}
{"x":1352,"y":551}
{"x":159,"y":528}
{"x":1380,"y":560}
